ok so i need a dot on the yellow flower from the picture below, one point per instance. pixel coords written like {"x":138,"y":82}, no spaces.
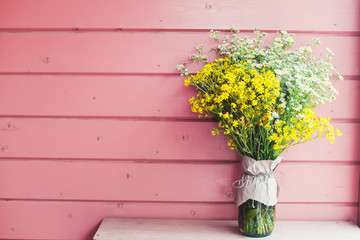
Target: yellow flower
{"x":187,"y":82}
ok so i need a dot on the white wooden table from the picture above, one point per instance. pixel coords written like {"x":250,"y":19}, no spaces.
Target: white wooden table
{"x":164,"y":229}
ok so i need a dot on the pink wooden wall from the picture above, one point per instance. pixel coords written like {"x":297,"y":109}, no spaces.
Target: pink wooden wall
{"x":95,"y":120}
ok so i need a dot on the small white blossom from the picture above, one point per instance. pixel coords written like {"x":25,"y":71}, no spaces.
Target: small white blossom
{"x":289,"y":39}
{"x":275,"y":115}
{"x":180,"y":67}
{"x":279,"y":72}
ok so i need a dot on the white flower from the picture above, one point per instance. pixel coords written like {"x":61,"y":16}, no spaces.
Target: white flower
{"x":180,"y":67}
{"x":288,"y":84}
{"x":283,"y":32}
{"x":298,"y":76}
{"x":279,"y":72}
{"x":275,"y":115}
{"x":289,"y":39}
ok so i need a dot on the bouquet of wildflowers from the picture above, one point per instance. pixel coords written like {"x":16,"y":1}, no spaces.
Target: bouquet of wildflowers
{"x":263,"y":98}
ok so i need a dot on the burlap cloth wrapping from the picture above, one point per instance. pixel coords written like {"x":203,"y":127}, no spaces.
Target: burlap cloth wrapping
{"x":257,"y":181}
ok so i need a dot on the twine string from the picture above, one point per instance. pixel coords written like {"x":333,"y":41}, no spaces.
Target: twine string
{"x":247,"y":178}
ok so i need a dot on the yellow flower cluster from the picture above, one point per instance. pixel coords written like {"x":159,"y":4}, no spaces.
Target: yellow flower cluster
{"x":245,"y":101}
{"x":235,"y":93}
{"x":240,"y":97}
{"x":302,"y":129}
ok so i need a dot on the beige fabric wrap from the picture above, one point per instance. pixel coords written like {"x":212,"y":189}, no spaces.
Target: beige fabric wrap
{"x":257,"y":181}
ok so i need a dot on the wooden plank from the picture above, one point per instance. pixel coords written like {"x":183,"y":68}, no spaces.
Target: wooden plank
{"x":171,"y":14}
{"x":126,"y":96}
{"x":107,"y":96}
{"x":111,"y":139}
{"x":146,"y":139}
{"x":147,"y":229}
{"x":358,"y":215}
{"x":316,"y":212}
{"x":47,"y":220}
{"x":168,"y":182}
{"x":301,"y":182}
{"x":116,"y":181}
{"x":129,"y":52}
{"x":344,"y":106}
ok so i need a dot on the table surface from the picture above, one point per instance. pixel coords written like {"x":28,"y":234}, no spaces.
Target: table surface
{"x":165,"y":229}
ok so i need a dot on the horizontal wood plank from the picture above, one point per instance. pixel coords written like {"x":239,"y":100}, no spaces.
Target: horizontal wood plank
{"x":146,"y":139}
{"x":172,"y":14}
{"x":135,"y":53}
{"x":168,"y":182}
{"x":313,"y":182}
{"x":126,"y":96}
{"x":344,"y":107}
{"x":26,"y":219}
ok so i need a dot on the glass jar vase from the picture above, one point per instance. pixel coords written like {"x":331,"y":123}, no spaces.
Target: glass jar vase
{"x":256,"y":219}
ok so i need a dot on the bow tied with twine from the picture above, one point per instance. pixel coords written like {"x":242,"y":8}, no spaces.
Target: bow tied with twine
{"x":257,"y":182}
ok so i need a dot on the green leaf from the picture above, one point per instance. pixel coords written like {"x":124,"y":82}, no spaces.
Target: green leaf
{"x":251,"y":213}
